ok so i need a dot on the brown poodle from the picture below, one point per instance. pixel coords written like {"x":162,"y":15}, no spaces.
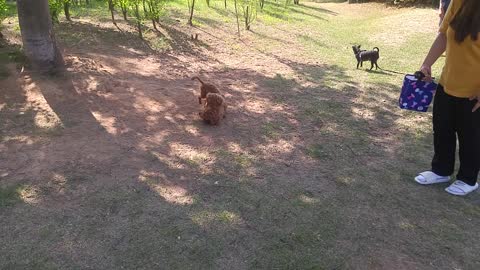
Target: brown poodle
{"x":215,"y":109}
{"x":205,"y":88}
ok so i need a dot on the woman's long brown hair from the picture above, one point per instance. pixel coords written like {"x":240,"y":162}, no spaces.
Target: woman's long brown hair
{"x":467,"y":21}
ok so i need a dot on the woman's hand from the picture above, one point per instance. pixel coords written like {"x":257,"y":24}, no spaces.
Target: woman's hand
{"x":477,"y":105}
{"x":427,"y":71}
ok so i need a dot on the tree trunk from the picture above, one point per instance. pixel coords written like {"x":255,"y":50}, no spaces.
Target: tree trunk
{"x":37,"y":34}
{"x":225,"y":4}
{"x":111,"y":8}
{"x":145,"y":9}
{"x":152,"y":14}
{"x":124,"y":12}
{"x":66,"y":8}
{"x":190,"y":22}
{"x":247,"y":24}
{"x":139,"y":23}
{"x":236,"y":15}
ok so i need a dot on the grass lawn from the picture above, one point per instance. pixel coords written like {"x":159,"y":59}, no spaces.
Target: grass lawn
{"x":109,"y":167}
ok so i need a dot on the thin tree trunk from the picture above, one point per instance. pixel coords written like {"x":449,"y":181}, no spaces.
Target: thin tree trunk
{"x":156,"y":12}
{"x":154,"y":24}
{"x":139,"y":24}
{"x":236,"y":15}
{"x":247,"y":25}
{"x":38,"y":37}
{"x":66,"y":8}
{"x":124,"y":12}
{"x":111,"y":8}
{"x":145,"y":9}
{"x":225,"y":4}
{"x":152,"y":14}
{"x":190,"y":22}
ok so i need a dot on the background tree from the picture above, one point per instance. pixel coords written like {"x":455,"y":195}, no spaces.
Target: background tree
{"x":38,"y":37}
{"x":3,"y":14}
{"x":191,"y":8}
{"x":111,"y":8}
{"x":135,"y":4}
{"x":155,"y":10}
{"x":55,"y":8}
{"x":236,"y":15}
{"x":66,"y":8}
{"x":249,"y":11}
{"x":3,"y":9}
{"x":124,"y":4}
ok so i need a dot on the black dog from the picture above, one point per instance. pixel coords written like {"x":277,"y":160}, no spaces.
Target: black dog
{"x":363,"y":55}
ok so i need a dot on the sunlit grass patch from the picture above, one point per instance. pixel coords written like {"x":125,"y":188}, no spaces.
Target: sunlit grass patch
{"x":318,"y":151}
{"x":272,"y":130}
{"x":206,"y":218}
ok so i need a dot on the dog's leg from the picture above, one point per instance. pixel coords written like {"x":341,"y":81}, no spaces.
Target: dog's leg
{"x":372,"y":65}
{"x":376,"y":66}
{"x":358,"y":64}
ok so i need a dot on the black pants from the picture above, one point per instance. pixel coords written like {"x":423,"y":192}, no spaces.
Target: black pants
{"x":453,"y":117}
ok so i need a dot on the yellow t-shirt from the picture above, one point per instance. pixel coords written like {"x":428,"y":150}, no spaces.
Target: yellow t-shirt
{"x":461,"y":73}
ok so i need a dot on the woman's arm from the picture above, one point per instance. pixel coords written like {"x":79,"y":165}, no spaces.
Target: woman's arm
{"x":440,"y":10}
{"x":438,"y":48}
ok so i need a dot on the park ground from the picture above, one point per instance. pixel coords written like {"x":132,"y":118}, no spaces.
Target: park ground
{"x":109,"y":166}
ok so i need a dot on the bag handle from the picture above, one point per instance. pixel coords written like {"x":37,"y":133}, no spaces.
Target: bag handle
{"x":420,"y":76}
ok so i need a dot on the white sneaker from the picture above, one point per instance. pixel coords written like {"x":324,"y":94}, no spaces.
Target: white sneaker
{"x":460,"y":188}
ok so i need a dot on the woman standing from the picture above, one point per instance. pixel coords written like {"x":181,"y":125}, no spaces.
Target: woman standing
{"x":457,"y":100}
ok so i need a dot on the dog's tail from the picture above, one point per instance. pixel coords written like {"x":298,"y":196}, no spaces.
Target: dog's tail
{"x":197,"y":78}
{"x":378,"y":50}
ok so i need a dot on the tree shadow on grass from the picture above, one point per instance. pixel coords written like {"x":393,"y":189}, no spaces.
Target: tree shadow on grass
{"x":281,"y":12}
{"x":276,"y":39}
{"x":222,"y":11}
{"x":84,"y":36}
{"x":86,"y":176}
{"x":308,"y":38}
{"x":319,"y":9}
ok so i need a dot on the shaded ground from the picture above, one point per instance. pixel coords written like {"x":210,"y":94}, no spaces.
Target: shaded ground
{"x":109,"y":167}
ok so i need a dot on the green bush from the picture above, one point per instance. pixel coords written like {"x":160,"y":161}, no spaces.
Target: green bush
{"x":55,"y":9}
{"x":3,"y":9}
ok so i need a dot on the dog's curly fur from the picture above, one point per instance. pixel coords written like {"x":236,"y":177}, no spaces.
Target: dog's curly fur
{"x":215,"y":109}
{"x":205,"y":88}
